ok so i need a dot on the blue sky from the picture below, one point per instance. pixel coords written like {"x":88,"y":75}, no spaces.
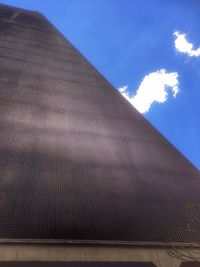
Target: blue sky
{"x":127,"y":40}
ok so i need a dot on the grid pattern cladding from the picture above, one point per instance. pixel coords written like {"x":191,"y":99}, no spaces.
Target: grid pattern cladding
{"x":77,"y":161}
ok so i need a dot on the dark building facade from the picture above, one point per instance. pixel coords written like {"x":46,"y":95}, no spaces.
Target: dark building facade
{"x":78,"y":164}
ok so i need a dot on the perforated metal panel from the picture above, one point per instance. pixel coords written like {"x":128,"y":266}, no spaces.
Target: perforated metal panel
{"x":190,"y":264}
{"x":77,"y":161}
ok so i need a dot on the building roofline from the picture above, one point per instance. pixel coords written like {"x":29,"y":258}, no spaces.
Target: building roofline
{"x":19,"y":9}
{"x":99,"y":242}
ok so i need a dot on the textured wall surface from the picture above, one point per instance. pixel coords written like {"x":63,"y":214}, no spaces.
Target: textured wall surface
{"x":75,"y":264}
{"x":77,"y":161}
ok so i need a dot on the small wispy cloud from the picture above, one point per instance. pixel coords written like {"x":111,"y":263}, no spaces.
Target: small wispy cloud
{"x":153,"y":88}
{"x":182,"y":45}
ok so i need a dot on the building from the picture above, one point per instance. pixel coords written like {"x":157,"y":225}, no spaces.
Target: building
{"x":85,"y":180}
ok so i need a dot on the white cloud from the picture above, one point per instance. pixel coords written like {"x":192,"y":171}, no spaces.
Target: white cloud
{"x":182,"y":45}
{"x":152,"y":89}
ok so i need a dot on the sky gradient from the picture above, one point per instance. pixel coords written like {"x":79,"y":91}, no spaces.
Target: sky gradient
{"x":127,"y":40}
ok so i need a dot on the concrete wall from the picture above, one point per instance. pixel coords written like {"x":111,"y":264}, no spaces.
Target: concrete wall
{"x":159,"y":256}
